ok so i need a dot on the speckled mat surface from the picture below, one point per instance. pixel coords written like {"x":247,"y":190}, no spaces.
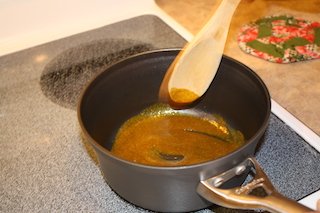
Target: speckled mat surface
{"x":47,"y":166}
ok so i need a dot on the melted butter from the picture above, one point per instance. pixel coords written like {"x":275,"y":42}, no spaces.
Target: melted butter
{"x":159,"y":129}
{"x":179,"y":95}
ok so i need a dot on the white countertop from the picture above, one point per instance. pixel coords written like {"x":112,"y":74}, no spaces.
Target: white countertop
{"x":26,"y":23}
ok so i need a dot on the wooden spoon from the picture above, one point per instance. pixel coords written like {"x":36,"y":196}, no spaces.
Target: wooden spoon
{"x":193,"y":70}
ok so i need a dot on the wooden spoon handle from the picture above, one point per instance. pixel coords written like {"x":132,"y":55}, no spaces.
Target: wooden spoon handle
{"x":195,"y":66}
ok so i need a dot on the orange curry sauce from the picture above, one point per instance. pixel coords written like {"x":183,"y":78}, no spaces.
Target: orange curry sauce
{"x":174,"y":139}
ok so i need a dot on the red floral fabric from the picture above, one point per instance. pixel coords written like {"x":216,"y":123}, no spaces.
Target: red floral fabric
{"x":281,"y":39}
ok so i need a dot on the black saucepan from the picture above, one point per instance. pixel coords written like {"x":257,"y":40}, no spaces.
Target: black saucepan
{"x":126,"y":88}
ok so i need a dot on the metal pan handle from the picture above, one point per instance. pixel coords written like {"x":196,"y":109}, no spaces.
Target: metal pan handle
{"x":240,"y":197}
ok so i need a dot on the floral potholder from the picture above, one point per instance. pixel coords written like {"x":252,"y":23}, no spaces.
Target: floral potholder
{"x":281,"y":39}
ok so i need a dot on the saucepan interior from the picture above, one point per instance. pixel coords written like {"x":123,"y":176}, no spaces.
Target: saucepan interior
{"x":128,"y":87}
{"x":131,"y":86}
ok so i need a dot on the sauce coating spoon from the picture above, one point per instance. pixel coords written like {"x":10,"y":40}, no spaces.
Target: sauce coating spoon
{"x":194,"y":68}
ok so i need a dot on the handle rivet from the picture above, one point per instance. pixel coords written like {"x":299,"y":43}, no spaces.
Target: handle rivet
{"x":218,"y":181}
{"x":240,"y":170}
